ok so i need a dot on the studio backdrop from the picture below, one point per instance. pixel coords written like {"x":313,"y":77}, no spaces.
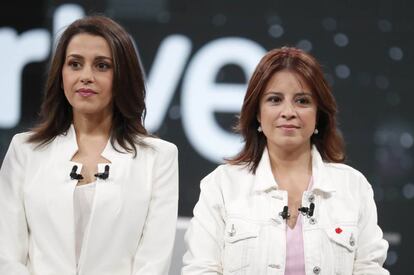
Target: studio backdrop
{"x":198,"y":57}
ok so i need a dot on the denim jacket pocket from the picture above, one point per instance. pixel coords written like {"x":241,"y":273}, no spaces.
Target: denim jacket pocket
{"x":239,"y":242}
{"x":344,"y":242}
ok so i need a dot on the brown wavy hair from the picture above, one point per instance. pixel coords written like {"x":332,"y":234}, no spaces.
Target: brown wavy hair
{"x":128,"y":87}
{"x":328,"y":141}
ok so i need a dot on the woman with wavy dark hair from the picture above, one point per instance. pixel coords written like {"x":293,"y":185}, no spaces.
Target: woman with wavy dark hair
{"x":286,"y":204}
{"x":88,"y":190}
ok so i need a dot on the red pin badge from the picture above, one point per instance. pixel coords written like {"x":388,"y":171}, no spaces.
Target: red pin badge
{"x":338,"y":230}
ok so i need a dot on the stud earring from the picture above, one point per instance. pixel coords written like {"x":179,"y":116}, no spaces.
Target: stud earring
{"x":259,"y":129}
{"x":316,"y":131}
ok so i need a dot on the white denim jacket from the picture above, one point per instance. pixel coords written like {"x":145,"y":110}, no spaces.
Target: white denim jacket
{"x":237,"y":228}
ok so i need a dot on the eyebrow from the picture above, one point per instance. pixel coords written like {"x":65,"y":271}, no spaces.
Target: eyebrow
{"x":296,"y":94}
{"x":96,"y":57}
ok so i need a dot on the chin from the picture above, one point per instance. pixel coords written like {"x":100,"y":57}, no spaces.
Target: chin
{"x":90,"y":109}
{"x":290,"y":143}
{"x":87,"y":111}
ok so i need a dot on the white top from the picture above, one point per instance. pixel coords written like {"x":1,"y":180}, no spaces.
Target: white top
{"x":82,"y":206}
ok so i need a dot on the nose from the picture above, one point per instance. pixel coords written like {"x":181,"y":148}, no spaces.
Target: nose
{"x":288,"y":111}
{"x":86,"y":76}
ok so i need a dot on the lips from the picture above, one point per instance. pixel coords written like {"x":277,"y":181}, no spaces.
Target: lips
{"x":288,"y":126}
{"x":86,"y":92}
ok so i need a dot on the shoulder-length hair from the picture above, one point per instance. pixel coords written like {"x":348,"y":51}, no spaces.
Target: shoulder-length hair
{"x":128,"y":87}
{"x":328,"y":141}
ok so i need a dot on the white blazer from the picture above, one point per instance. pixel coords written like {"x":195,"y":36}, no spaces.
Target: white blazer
{"x":237,"y":228}
{"x":133,"y":219}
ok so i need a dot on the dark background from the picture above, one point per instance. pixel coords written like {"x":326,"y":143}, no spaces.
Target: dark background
{"x":365,"y":47}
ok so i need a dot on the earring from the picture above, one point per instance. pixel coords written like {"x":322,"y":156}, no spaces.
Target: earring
{"x":259,"y":129}
{"x":316,"y":131}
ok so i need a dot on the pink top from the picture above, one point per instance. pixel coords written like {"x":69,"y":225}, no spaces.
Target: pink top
{"x":295,"y":257}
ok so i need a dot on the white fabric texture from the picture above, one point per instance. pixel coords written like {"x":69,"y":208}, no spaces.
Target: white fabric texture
{"x":133,"y":220}
{"x":82,"y":207}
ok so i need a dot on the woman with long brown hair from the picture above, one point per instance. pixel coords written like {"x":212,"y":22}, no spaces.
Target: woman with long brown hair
{"x":286,"y":204}
{"x":88,"y":190}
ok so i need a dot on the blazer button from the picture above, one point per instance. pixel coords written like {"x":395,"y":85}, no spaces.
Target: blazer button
{"x":274,"y":266}
{"x":316,"y":270}
{"x":312,"y":221}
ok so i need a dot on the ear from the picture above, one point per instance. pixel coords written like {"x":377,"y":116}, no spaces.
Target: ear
{"x":258,"y":117}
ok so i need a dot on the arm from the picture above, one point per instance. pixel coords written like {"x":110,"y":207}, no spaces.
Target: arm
{"x":154,"y":251}
{"x":204,"y":237}
{"x":13,"y":226}
{"x":372,"y":249}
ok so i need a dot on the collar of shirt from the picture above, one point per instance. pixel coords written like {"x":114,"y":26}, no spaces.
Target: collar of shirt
{"x":265,"y":181}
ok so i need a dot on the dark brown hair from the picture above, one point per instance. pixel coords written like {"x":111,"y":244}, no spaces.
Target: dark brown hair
{"x":128,"y":87}
{"x":328,"y":141}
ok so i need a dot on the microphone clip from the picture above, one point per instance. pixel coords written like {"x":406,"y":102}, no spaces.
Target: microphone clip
{"x":103,"y":175}
{"x":285,"y":213}
{"x":307,"y":211}
{"x":75,"y":176}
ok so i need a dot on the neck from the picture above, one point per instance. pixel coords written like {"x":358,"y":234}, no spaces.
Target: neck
{"x":286,"y":161}
{"x":92,"y":125}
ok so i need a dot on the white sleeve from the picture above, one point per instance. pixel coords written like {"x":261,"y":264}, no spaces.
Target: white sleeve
{"x":154,"y":252}
{"x":205,"y":235}
{"x":13,"y":225}
{"x":372,"y":248}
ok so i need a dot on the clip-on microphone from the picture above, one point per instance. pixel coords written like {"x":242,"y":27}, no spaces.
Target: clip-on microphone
{"x":103,"y":175}
{"x":307,"y":211}
{"x":285,"y":213}
{"x":73,"y":175}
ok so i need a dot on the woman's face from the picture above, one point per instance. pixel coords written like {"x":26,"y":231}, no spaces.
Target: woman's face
{"x":287,"y":112}
{"x":87,"y":75}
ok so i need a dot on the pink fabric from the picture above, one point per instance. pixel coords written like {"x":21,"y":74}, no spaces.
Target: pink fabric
{"x":295,"y":257}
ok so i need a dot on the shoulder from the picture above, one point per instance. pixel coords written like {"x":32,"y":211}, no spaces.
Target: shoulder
{"x":20,"y":149}
{"x":21,"y":138}
{"x":159,"y":146}
{"x":229,"y":176}
{"x":230,"y":170}
{"x":21,"y":142}
{"x":341,"y":168}
{"x":347,"y":176}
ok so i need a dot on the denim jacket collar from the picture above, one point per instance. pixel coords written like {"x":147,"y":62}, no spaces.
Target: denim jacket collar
{"x":264,"y":179}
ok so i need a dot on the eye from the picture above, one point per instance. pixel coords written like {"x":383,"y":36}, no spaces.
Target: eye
{"x":103,"y":66}
{"x":74,"y":64}
{"x":303,"y":100}
{"x":274,"y":99}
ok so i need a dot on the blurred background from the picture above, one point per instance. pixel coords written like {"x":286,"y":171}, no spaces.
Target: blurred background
{"x":198,"y":56}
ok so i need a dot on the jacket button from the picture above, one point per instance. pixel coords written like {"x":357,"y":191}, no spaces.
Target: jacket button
{"x":311,"y":198}
{"x":316,"y":270}
{"x":312,"y":221}
{"x":352,"y":240}
{"x":274,"y":266}
{"x":233,"y":231}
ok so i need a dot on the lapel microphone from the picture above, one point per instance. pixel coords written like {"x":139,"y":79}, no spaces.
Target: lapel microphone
{"x":285,"y":213}
{"x":307,"y":211}
{"x":73,"y":175}
{"x":103,"y":175}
